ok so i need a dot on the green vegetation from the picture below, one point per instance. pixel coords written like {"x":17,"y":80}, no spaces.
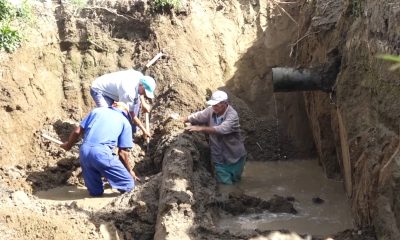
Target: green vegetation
{"x":167,"y":4}
{"x":11,"y":16}
{"x":79,"y":4}
{"x":391,"y":58}
{"x":10,"y":39}
{"x":356,"y":7}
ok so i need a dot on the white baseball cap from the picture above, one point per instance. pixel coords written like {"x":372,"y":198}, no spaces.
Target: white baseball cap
{"x":217,"y":97}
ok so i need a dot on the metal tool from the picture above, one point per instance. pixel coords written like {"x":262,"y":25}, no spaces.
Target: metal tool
{"x":148,"y":129}
{"x":74,"y":149}
{"x":52,"y":139}
{"x":147,"y":117}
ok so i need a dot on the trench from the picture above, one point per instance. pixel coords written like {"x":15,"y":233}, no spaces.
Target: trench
{"x":283,"y":188}
{"x":321,"y":205}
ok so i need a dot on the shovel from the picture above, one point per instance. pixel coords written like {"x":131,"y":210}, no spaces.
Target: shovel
{"x":151,"y":62}
{"x":55,"y":140}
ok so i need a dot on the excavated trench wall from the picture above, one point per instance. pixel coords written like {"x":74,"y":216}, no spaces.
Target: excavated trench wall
{"x":357,"y":123}
{"x":48,"y":79}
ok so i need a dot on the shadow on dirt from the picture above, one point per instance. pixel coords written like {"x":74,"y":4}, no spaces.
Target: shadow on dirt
{"x":66,"y":171}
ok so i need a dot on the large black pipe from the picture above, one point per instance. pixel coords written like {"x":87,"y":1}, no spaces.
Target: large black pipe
{"x":321,"y":77}
{"x":291,"y":79}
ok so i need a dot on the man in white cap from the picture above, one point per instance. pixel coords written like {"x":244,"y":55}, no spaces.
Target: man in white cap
{"x":103,"y":130}
{"x":221,"y":122}
{"x":128,"y":86}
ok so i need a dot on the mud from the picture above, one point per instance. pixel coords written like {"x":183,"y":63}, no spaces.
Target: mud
{"x":237,"y":204}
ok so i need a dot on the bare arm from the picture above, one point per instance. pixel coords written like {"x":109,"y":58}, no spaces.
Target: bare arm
{"x":139,"y":123}
{"x":145,"y":106}
{"x":124,"y":157}
{"x":73,"y":138}
{"x":205,"y":129}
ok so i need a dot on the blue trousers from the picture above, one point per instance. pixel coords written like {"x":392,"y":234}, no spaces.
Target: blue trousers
{"x":99,"y":161}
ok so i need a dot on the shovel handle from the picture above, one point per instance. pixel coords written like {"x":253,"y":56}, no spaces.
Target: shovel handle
{"x":51,"y":139}
{"x":155,"y":58}
{"x":147,"y":125}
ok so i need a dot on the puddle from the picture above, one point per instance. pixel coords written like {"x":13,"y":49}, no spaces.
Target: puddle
{"x":80,"y":195}
{"x":301,"y":179}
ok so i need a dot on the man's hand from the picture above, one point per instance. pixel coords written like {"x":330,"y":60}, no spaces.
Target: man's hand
{"x":184,"y":119}
{"x":204,"y":129}
{"x":194,"y":128}
{"x":146,"y":134}
{"x":66,"y":146}
{"x":134,"y":176}
{"x":73,"y":138}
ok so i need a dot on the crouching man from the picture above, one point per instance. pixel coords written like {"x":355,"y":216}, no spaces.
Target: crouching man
{"x":104,"y":129}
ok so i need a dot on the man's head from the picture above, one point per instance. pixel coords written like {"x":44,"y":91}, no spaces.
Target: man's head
{"x":219,"y":102}
{"x":147,"y":85}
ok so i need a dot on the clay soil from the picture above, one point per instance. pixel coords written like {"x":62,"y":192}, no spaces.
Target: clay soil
{"x":207,"y":45}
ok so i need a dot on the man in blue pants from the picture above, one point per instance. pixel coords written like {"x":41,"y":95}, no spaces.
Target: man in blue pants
{"x":104,"y":129}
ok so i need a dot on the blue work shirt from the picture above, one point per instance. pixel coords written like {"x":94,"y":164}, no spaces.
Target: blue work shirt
{"x":107,"y":126}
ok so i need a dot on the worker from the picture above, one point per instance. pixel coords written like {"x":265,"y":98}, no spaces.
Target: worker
{"x":104,"y":129}
{"x":221,"y":122}
{"x":128,"y":86}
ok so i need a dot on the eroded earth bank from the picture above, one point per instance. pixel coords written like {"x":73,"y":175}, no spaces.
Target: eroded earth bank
{"x":349,"y":125}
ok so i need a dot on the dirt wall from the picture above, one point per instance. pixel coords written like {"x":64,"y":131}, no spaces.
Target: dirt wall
{"x":357,"y":123}
{"x":31,"y":89}
{"x":48,"y":79}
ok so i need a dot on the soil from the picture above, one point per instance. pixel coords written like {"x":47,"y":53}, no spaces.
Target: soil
{"x":207,"y":45}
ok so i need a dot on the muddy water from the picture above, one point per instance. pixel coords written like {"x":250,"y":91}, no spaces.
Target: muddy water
{"x":78,"y":195}
{"x":301,"y":179}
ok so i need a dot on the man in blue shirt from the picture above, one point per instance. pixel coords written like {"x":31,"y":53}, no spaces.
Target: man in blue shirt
{"x":103,"y":130}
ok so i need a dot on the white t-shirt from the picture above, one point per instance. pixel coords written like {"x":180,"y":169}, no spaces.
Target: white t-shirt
{"x":121,"y":86}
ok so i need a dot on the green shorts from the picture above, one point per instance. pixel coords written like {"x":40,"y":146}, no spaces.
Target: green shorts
{"x":228,"y":173}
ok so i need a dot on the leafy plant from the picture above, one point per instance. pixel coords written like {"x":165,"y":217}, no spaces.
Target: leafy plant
{"x":391,"y":58}
{"x":10,"y":39}
{"x":167,"y":4}
{"x":24,"y":11}
{"x":7,"y":12}
{"x":13,"y":18}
